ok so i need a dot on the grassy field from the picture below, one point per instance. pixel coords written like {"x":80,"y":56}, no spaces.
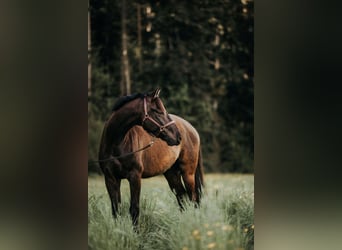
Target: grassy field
{"x":225,"y":219}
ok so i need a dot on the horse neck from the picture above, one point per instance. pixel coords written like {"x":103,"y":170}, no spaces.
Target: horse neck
{"x":121,"y":121}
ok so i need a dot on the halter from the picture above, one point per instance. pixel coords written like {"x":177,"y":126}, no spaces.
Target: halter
{"x":148,"y":117}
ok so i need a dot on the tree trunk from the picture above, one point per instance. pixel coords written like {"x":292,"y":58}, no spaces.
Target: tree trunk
{"x":89,"y":53}
{"x":139,"y":54}
{"x":125,"y":73}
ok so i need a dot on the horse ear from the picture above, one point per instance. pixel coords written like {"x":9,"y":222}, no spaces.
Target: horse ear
{"x":155,"y":93}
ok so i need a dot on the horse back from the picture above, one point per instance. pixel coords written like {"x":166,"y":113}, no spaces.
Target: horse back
{"x":190,"y":136}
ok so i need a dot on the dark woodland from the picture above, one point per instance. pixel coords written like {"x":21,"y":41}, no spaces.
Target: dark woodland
{"x":200,"y":53}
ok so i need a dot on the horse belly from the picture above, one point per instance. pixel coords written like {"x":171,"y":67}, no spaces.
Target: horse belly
{"x":156,"y":163}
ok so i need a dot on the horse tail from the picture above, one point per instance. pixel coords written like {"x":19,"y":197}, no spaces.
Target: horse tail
{"x":199,"y":182}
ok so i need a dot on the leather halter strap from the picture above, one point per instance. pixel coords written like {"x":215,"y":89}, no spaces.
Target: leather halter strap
{"x":148,"y":117}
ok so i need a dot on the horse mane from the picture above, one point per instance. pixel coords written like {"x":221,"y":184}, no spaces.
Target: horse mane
{"x":125,"y":99}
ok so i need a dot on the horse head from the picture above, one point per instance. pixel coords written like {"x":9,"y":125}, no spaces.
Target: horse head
{"x":157,"y":121}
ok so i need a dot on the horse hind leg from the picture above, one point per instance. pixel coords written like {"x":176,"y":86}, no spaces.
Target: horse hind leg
{"x":189,"y":182}
{"x":192,"y":175}
{"x":174,"y":180}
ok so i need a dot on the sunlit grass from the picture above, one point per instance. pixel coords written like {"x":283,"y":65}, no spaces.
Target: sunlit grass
{"x":225,"y":219}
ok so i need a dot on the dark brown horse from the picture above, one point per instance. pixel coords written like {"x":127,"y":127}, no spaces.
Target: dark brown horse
{"x":125,"y":151}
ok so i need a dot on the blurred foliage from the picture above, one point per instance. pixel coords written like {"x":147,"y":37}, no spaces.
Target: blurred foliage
{"x":199,"y":52}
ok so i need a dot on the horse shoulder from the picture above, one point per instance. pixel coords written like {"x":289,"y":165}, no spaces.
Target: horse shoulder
{"x":153,"y":160}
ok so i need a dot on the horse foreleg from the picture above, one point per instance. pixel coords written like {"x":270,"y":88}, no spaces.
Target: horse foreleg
{"x":113,"y":188}
{"x":135,"y":186}
{"x":173,"y":177}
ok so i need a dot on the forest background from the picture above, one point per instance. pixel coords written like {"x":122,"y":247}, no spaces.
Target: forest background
{"x":201,"y":55}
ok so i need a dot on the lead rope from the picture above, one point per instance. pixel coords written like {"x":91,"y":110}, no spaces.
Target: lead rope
{"x":127,"y":154}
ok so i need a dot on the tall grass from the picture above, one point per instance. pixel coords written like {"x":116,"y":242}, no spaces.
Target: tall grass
{"x":225,"y":219}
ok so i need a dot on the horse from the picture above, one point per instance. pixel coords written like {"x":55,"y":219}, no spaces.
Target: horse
{"x":139,"y":121}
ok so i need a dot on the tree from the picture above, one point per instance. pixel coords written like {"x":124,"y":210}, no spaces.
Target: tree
{"x":125,"y":74}
{"x":199,"y":52}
